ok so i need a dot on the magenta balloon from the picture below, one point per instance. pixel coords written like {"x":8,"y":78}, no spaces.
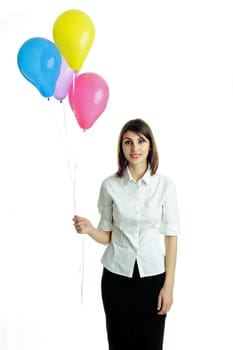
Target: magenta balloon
{"x":64,"y":81}
{"x":88,"y":98}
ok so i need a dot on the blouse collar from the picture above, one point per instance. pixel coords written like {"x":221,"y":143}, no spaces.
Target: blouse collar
{"x":128,"y":176}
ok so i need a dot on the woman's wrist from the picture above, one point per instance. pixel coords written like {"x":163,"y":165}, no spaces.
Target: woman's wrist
{"x":92,"y":231}
{"x":169,"y":283}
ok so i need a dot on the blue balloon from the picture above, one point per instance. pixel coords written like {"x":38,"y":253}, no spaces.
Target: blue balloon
{"x":39,"y":61}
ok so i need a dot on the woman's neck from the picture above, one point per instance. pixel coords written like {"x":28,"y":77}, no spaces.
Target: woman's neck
{"x":137,"y":171}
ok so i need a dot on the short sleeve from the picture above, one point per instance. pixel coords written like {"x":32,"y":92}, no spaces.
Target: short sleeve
{"x":105,"y":208}
{"x":170,"y":222}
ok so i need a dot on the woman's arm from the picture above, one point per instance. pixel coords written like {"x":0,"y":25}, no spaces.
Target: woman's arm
{"x":165,"y":299}
{"x":83,"y":225}
{"x":170,"y":259}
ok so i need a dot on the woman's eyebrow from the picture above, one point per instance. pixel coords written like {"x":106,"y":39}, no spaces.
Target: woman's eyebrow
{"x":129,"y":138}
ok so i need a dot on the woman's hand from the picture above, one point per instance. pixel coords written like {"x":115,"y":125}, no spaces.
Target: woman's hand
{"x":82,"y":225}
{"x":165,"y":300}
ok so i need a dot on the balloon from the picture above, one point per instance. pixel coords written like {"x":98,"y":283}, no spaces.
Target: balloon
{"x":73,"y":33}
{"x":64,"y":81}
{"x":88,"y":98}
{"x":39,"y":61}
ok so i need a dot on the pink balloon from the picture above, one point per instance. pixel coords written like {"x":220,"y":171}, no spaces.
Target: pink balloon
{"x":64,"y":81}
{"x":88,"y":98}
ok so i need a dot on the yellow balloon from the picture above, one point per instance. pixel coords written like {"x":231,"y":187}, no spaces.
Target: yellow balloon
{"x":73,"y":34}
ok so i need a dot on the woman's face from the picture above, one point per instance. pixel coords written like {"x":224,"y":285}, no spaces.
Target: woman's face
{"x":135,"y":148}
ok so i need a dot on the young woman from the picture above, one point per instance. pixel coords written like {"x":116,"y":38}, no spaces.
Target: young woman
{"x":136,"y":205}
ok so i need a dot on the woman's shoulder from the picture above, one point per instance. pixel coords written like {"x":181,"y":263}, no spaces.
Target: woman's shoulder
{"x":110,"y":179}
{"x":164,"y":179}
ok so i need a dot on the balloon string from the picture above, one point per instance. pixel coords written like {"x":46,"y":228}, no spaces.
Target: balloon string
{"x":82,"y":269}
{"x":73,"y":179}
{"x":73,"y":85}
{"x":71,"y":174}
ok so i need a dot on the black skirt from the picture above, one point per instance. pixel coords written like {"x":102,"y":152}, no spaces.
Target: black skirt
{"x":130,"y":306}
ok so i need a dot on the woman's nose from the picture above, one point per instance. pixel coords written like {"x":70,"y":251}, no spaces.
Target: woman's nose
{"x":134,"y":147}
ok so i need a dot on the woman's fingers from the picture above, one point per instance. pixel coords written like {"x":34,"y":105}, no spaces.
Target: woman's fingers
{"x":78,"y":227}
{"x":159,"y":304}
{"x":165,"y":300}
{"x":78,"y":223}
{"x":82,"y":225}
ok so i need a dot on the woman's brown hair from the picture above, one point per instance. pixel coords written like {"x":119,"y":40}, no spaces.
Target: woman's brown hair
{"x":140,"y":127}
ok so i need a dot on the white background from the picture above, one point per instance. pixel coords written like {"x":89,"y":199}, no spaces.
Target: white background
{"x":170,"y":63}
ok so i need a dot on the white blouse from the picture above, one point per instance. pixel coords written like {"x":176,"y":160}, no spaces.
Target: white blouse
{"x":137,"y":212}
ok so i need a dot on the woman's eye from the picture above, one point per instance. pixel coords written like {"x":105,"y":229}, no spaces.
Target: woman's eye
{"x":141,"y":141}
{"x":127,"y":142}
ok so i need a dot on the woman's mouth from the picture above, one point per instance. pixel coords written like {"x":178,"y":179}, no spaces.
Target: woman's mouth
{"x":135,"y":155}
